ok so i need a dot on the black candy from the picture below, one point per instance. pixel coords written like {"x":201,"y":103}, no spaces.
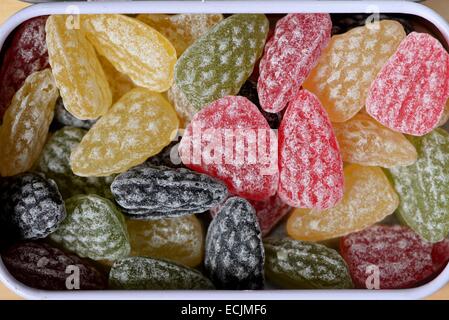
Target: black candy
{"x":151,"y":192}
{"x":31,"y":207}
{"x":234,"y":256}
{"x":342,"y":23}
{"x":249,"y":91}
{"x":41,"y":266}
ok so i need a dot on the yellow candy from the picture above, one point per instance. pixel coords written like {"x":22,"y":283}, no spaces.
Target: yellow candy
{"x":368,"y":198}
{"x":26,"y":122}
{"x":133,"y":48}
{"x":352,"y":60}
{"x":137,"y":127}
{"x":118,"y":82}
{"x":78,"y":73}
{"x":178,"y":239}
{"x":181,"y":29}
{"x":365,"y":141}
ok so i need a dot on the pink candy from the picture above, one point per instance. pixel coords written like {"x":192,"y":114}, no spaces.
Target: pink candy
{"x":289,"y":56}
{"x":411,"y":90}
{"x":310,"y":164}
{"x":231,"y":140}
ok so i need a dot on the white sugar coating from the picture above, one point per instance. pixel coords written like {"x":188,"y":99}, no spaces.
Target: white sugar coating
{"x":368,"y":198}
{"x":234,"y":254}
{"x":423,"y":187}
{"x":152,"y":274}
{"x":26,"y":122}
{"x":65,"y":118}
{"x":410,"y":92}
{"x":84,"y":89}
{"x":138,"y":134}
{"x":364,"y":141}
{"x":93,"y":228}
{"x":133,"y":48}
{"x":402,"y":257}
{"x":343,"y":59}
{"x":223,"y":51}
{"x":311,"y":169}
{"x":289,"y":56}
{"x":305,"y":265}
{"x":211,"y":145}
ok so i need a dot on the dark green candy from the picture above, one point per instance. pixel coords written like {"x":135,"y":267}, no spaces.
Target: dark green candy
{"x":139,"y":273}
{"x":304,"y":265}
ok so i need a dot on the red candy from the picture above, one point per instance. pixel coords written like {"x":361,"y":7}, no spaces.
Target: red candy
{"x":269,"y":212}
{"x":231,"y":140}
{"x":440,"y":254}
{"x":401,"y":257}
{"x":289,"y":57}
{"x":26,"y":54}
{"x":310,"y":164}
{"x":411,"y":90}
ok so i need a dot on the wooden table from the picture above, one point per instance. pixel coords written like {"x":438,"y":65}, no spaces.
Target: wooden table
{"x":8,"y":7}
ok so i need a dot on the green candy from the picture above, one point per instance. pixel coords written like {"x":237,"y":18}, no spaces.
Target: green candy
{"x":423,"y":187}
{"x":54,"y":162}
{"x":139,"y":273}
{"x":219,"y":63}
{"x":93,"y":228}
{"x":304,"y":265}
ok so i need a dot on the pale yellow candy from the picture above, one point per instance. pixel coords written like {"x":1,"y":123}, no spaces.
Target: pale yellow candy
{"x":133,"y":48}
{"x":179,"y":239}
{"x":118,"y":82}
{"x":365,"y":141}
{"x":137,"y":127}
{"x":78,"y":73}
{"x":352,"y":60}
{"x":181,"y":29}
{"x":368,"y":198}
{"x":26,"y":123}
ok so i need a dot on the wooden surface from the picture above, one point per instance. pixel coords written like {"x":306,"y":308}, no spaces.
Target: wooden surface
{"x":8,"y":7}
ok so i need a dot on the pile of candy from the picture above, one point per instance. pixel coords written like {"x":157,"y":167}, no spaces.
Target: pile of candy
{"x":98,"y":177}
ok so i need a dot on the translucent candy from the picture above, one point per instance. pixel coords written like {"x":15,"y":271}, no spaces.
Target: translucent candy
{"x":345,"y":71}
{"x":62,"y":116}
{"x":365,"y":141}
{"x":367,"y":199}
{"x":300,"y":265}
{"x":177,"y":239}
{"x":119,"y":83}
{"x":54,"y":162}
{"x":310,"y":165}
{"x":78,"y":73}
{"x":182,"y":30}
{"x":410,"y":91}
{"x":219,"y":63}
{"x":133,"y":48}
{"x":41,"y":266}
{"x":139,"y":273}
{"x":153,"y":193}
{"x":31,"y":207}
{"x":144,"y":123}
{"x":26,"y":122}
{"x":290,"y":55}
{"x":423,"y":187}
{"x":231,"y":140}
{"x":402,"y":259}
{"x":234,"y":255}
{"x":94,"y":228}
{"x":440,"y":255}
{"x":26,"y":54}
